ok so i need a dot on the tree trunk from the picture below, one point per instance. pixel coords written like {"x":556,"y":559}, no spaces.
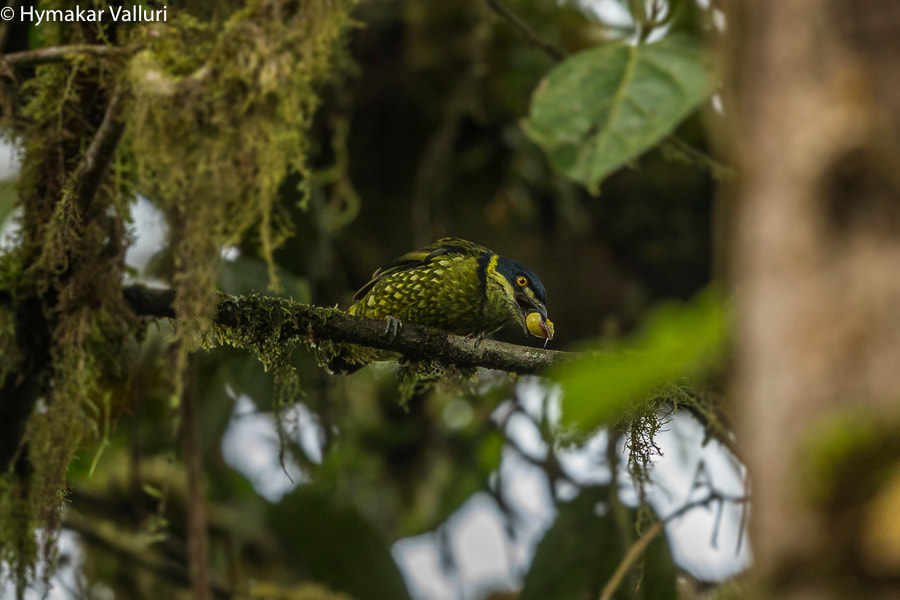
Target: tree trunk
{"x":814,"y":92}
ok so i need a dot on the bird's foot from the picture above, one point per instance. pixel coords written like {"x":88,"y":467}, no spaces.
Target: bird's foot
{"x":392,"y":326}
{"x":476,"y":337}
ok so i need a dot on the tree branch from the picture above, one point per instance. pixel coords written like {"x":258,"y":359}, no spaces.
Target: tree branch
{"x":56,"y":54}
{"x":268,"y":318}
{"x":169,"y":571}
{"x":99,"y":154}
{"x":636,"y":550}
{"x":719,"y":170}
{"x":527,"y":32}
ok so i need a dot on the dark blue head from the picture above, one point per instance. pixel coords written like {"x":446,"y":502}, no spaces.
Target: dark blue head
{"x":528,"y":290}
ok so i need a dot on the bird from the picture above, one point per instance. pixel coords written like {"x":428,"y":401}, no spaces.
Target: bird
{"x":454,"y":285}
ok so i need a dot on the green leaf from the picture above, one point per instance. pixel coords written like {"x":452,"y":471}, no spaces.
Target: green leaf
{"x":675,"y":341}
{"x":604,"y":107}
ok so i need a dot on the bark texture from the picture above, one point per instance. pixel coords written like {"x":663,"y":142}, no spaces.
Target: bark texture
{"x":814,"y":93}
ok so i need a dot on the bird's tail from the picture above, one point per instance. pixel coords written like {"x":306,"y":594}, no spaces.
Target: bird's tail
{"x":344,"y":359}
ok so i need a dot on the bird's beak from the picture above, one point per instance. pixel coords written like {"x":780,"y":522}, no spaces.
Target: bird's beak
{"x":528,"y":303}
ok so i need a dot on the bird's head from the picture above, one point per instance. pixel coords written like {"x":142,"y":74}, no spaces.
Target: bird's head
{"x":522,"y":293}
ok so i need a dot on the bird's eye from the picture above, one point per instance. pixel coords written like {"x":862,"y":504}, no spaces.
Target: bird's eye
{"x":521,"y":281}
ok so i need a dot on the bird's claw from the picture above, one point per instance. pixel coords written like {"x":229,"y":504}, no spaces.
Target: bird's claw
{"x":392,"y":326}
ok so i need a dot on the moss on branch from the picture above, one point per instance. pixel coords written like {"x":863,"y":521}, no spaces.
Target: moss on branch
{"x":269,"y":324}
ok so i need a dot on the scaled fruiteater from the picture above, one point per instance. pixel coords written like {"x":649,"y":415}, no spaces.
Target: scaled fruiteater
{"x":454,"y":285}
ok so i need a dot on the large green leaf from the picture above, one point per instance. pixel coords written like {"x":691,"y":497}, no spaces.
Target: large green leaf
{"x":675,"y":341}
{"x":603,"y":107}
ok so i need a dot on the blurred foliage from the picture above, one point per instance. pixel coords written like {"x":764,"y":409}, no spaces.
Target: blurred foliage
{"x":268,"y":591}
{"x":7,"y":200}
{"x":314,"y":154}
{"x":850,"y":473}
{"x":569,"y":566}
{"x":345,"y":541}
{"x":861,"y":447}
{"x":675,"y":341}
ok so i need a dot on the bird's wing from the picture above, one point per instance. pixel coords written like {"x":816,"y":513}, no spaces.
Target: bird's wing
{"x":417,"y":258}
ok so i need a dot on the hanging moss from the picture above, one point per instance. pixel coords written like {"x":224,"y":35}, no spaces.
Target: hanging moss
{"x":221,"y":114}
{"x":218,"y":112}
{"x":66,"y":266}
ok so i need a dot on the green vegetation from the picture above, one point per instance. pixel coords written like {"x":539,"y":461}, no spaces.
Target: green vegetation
{"x":312,"y":137}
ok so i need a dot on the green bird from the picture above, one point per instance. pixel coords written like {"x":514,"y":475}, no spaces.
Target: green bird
{"x":454,"y":285}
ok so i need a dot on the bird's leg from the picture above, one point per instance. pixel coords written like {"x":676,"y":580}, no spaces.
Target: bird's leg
{"x":392,"y":326}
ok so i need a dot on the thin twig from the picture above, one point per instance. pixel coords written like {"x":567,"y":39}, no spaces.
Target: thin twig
{"x":100,"y":153}
{"x":527,"y":32}
{"x":56,"y":54}
{"x":619,"y":513}
{"x":166,"y":570}
{"x":552,"y":468}
{"x":656,"y":21}
{"x":639,"y":15}
{"x":718,"y":169}
{"x":637,"y":549}
{"x":198,"y":544}
{"x":711,"y":422}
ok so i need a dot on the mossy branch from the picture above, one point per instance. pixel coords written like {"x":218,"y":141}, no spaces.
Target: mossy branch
{"x":278,"y":320}
{"x":57,"y":54}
